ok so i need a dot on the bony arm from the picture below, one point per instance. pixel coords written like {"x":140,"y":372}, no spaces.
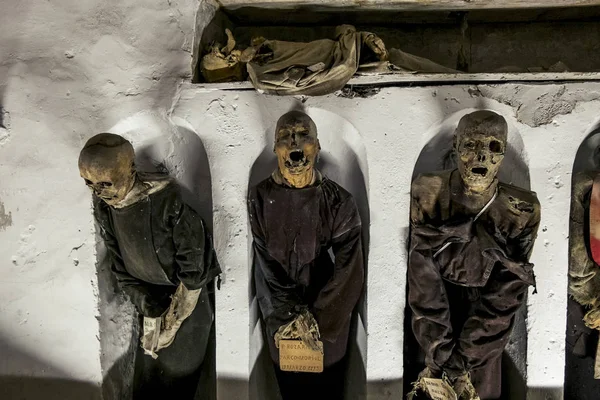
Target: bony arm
{"x":592,"y":317}
{"x":303,"y":327}
{"x":464,"y":389}
{"x":183,"y":303}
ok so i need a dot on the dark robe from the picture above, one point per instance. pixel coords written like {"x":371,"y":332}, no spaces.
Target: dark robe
{"x":154,"y":245}
{"x":294,"y":230}
{"x":465,"y":299}
{"x":584,"y":289}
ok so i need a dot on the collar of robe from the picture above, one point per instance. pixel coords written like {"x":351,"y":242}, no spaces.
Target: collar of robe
{"x":145,"y":185}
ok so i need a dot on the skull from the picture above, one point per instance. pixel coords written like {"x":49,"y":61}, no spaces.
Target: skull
{"x":480,"y":144}
{"x":106,"y":163}
{"x":297,"y":147}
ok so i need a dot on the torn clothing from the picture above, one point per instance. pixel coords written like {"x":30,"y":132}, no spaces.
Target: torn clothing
{"x":584,"y":273}
{"x":316,"y":68}
{"x":465,"y":299}
{"x":154,"y":245}
{"x":293,"y":231}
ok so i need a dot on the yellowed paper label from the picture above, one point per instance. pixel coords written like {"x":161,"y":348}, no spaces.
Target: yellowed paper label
{"x":438,"y":389}
{"x":150,"y":325}
{"x":295,"y":356}
{"x":151,"y":336}
{"x":597,"y":364}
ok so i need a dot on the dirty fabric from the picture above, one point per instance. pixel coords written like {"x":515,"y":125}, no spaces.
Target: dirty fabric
{"x":411,"y":63}
{"x":293,"y":230}
{"x":316,"y":68}
{"x":155,"y":244}
{"x":465,"y":299}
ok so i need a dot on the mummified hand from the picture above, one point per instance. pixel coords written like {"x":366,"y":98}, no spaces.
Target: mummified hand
{"x":377,"y":46}
{"x":464,"y":388}
{"x":592,"y":318}
{"x":303,"y":327}
{"x":183,"y":303}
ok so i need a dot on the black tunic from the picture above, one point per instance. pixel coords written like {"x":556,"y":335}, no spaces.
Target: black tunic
{"x":464,"y":300}
{"x":293,"y":230}
{"x":154,"y":245}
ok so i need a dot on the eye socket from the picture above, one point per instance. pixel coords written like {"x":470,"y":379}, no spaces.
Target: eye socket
{"x":469,"y":145}
{"x":87,"y":181}
{"x":282,"y":135}
{"x":106,"y":184}
{"x":495,"y":146}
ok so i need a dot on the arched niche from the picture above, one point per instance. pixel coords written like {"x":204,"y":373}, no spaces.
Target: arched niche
{"x":161,"y":145}
{"x":579,"y":382}
{"x":438,"y":155}
{"x":343,"y":159}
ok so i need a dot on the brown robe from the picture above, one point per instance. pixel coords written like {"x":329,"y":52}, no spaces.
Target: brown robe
{"x":294,"y":230}
{"x":464,"y":300}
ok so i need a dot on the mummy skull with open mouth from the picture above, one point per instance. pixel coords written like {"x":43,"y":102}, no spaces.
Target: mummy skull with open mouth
{"x":480,"y":143}
{"x":297,"y":148}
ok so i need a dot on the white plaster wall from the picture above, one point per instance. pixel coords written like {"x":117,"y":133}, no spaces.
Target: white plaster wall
{"x":70,"y":69}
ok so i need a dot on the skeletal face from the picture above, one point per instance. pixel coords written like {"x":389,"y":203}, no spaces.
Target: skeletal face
{"x":296,"y":147}
{"x":480,"y":143}
{"x":106,"y":165}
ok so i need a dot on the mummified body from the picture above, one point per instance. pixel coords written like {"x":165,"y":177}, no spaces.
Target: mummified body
{"x":162,"y":258}
{"x":583,"y":318}
{"x":297,"y":215}
{"x":464,"y":295}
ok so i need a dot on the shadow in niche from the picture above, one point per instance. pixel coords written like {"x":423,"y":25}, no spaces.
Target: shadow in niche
{"x":579,"y":369}
{"x":341,"y":164}
{"x":183,"y":157}
{"x":438,"y":155}
{"x":36,"y":387}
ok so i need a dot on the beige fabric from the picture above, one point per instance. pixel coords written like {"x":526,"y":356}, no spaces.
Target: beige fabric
{"x":411,"y":63}
{"x":315,"y":68}
{"x":145,"y":185}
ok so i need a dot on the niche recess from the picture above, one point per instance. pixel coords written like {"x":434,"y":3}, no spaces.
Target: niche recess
{"x":173,"y":147}
{"x":438,"y":155}
{"x":579,"y":382}
{"x":484,"y":38}
{"x":343,"y":159}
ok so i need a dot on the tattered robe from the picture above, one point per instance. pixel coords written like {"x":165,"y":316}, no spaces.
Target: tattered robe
{"x":584,"y":289}
{"x":316,"y":68}
{"x":465,"y":299}
{"x":293,"y":231}
{"x":154,"y":245}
